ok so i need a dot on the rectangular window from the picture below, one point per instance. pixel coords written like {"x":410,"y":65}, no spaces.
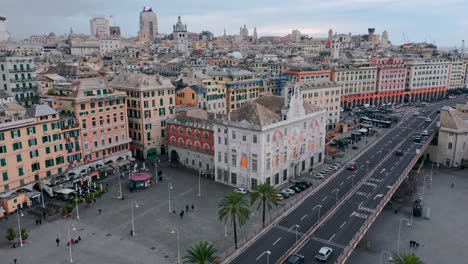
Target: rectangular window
{"x":33,"y":153}
{"x":17,"y":146}
{"x":254,"y":139}
{"x":19,"y":158}
{"x":47,"y":150}
{"x":5,"y":176}
{"x":49,"y":163}
{"x":449,"y":145}
{"x":254,"y":162}
{"x":35,"y":166}
{"x":2,"y":162}
{"x":32,"y":142}
{"x":15,"y":134}
{"x":20,"y":172}
{"x":2,"y":136}
{"x":234,"y":157}
{"x":31,"y":130}
{"x":233,"y":178}
{"x":44,"y":127}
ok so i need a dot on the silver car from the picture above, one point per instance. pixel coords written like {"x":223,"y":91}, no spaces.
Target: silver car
{"x":324,"y":254}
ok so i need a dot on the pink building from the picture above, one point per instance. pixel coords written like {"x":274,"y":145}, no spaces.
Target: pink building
{"x":391,"y":77}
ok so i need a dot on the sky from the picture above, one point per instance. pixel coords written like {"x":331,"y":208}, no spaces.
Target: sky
{"x":442,"y":21}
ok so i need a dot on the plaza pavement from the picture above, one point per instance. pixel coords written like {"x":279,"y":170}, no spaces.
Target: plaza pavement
{"x":442,"y":238}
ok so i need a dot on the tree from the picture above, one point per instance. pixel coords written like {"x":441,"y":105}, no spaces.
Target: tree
{"x":11,"y":234}
{"x":201,"y":253}
{"x":266,"y":196}
{"x":406,"y":258}
{"x":24,"y":234}
{"x":234,"y":207}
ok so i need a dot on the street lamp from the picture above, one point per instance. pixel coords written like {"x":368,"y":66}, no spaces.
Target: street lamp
{"x":120,"y":183}
{"x":199,"y":183}
{"x":297,"y":230}
{"x":412,"y":210}
{"x":178,"y":243}
{"x":399,"y":231}
{"x":69,"y":240}
{"x":42,"y":194}
{"x":383,"y":253}
{"x":319,"y":207}
{"x":133,"y":221}
{"x":19,"y":225}
{"x":169,"y":187}
{"x":268,"y":256}
{"x":77,"y":210}
{"x":336,"y":196}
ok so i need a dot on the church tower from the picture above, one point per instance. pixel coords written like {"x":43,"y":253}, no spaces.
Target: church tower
{"x":180,"y":37}
{"x":335,"y":48}
{"x":255,"y":37}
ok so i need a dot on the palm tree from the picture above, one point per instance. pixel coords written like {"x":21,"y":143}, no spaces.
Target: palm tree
{"x":201,"y":253}
{"x":406,"y":258}
{"x":234,"y":207}
{"x":267,"y":195}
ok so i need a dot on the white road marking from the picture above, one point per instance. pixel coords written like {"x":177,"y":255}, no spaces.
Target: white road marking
{"x":324,"y":198}
{"x":382,"y":171}
{"x":378,"y":196}
{"x":277,"y":241}
{"x":302,"y":218}
{"x":331,"y":237}
{"x":342,"y":224}
{"x":341,"y":183}
{"x":389,"y":186}
{"x":392,"y":168}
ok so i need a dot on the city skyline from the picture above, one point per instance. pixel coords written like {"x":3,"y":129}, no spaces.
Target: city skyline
{"x":418,"y":20}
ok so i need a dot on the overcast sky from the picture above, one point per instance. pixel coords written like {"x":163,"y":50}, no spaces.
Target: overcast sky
{"x":442,"y":21}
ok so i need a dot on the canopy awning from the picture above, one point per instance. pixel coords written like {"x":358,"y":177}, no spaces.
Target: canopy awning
{"x":363,"y":130}
{"x":65,"y":191}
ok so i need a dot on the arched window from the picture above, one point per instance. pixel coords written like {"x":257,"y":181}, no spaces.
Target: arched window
{"x":189,"y":144}
{"x":206,"y":135}
{"x":173,"y":141}
{"x":181,"y":130}
{"x":180,"y":143}
{"x":197,"y":133}
{"x":206,"y":148}
{"x":197,"y":146}
{"x":189,"y":132}
{"x":173,"y":129}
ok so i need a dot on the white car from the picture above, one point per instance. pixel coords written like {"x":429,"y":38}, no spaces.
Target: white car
{"x":324,"y":254}
{"x":290,"y":191}
{"x":428,"y":119}
{"x":416,"y":114}
{"x":425,"y":133}
{"x":320,"y":175}
{"x":240,"y":190}
{"x":335,"y":166}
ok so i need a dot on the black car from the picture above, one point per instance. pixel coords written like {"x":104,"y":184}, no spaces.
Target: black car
{"x":296,"y":189}
{"x":308,"y":184}
{"x":301,"y":186}
{"x":399,"y":152}
{"x":417,"y":139}
{"x":295,"y":259}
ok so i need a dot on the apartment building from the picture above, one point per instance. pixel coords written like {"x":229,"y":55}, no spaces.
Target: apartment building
{"x":426,"y":78}
{"x":391,"y":79}
{"x":32,"y":148}
{"x":150,"y":102}
{"x":308,"y":74}
{"x":457,"y":74}
{"x":359,"y":85}
{"x":325,"y":95}
{"x":18,"y":77}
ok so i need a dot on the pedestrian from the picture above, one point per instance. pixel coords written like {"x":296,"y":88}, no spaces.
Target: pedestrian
{"x":44,"y":214}
{"x":15,"y":260}
{"x":37,"y":221}
{"x":79,"y":238}
{"x":99,"y":210}
{"x":131,"y":232}
{"x":94,"y":199}
{"x":411,"y":243}
{"x":416,"y":244}
{"x":186,"y":207}
{"x":40,"y":221}
{"x":453,"y":184}
{"x":193,"y":207}
{"x":181,"y":214}
{"x":57,"y":241}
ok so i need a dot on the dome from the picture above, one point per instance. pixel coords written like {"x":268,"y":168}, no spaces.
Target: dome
{"x":236,"y":55}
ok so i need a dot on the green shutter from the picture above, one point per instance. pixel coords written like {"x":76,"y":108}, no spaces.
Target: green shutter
{"x":18,"y":158}
{"x":5,"y":176}
{"x":3,"y":162}
{"x":20,"y":172}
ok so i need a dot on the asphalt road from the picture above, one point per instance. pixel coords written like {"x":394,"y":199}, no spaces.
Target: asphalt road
{"x":377,"y":168}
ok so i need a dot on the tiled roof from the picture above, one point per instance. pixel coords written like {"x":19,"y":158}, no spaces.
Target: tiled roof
{"x":453,"y":119}
{"x":40,"y":110}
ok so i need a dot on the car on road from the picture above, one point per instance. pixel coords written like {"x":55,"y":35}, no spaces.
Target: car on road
{"x":279,"y":197}
{"x":399,"y":152}
{"x":425,"y":133}
{"x":418,"y":139}
{"x":324,"y":254}
{"x":416,"y":114}
{"x":428,"y":119}
{"x":351,"y":166}
{"x":285,"y":194}
{"x":438,"y":111}
{"x":290,"y":191}
{"x":240,"y":190}
{"x":295,"y":259}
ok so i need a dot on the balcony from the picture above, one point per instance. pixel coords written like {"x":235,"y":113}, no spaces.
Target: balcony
{"x":33,"y":69}
{"x":13,"y":80}
{"x":24,"y":89}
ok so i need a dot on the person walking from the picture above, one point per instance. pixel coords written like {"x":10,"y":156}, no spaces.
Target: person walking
{"x":99,"y":210}
{"x":181,"y":214}
{"x":193,"y":207}
{"x":57,"y":241}
{"x":79,"y":238}
{"x":15,"y":260}
{"x":186,"y":207}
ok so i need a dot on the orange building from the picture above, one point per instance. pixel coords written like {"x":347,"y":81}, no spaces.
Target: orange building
{"x":187,"y":96}
{"x":309,"y":74}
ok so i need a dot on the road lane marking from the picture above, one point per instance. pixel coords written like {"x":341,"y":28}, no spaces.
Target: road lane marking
{"x":363,"y":216}
{"x":302,"y":218}
{"x":342,"y":224}
{"x":341,"y":183}
{"x":323,"y":200}
{"x":260,"y":256}
{"x":382,"y":171}
{"x":378,"y":196}
{"x":331,"y":237}
{"x":392,"y":168}
{"x":277,"y":240}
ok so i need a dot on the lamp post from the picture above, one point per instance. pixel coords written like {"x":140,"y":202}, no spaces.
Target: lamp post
{"x":133,"y":220}
{"x":199,"y":183}
{"x":412,"y":210}
{"x":336,"y":196}
{"x":178,"y":243}
{"x":120,"y":183}
{"x":268,"y":256}
{"x":319,"y":207}
{"x":399,"y":231}
{"x":383,"y":253}
{"x":169,"y":187}
{"x":19,"y":225}
{"x":69,"y":240}
{"x":42,"y":194}
{"x":297,"y":230}
{"x":77,"y":210}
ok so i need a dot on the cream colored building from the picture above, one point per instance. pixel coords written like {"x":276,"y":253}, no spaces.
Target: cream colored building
{"x":326,"y":95}
{"x":457,"y":74}
{"x":99,"y":27}
{"x":150,"y":102}
{"x":359,"y":85}
{"x":451,"y":149}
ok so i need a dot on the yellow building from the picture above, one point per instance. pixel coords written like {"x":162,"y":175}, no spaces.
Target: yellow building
{"x":187,"y":96}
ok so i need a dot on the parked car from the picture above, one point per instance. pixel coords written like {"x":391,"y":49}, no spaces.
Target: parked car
{"x":335,"y":166}
{"x":301,"y":186}
{"x":399,"y":152}
{"x":290,"y":191}
{"x":417,"y":139}
{"x":416,"y":114}
{"x":351,"y":166}
{"x":296,"y":189}
{"x":324,"y":254}
{"x":279,"y":197}
{"x":285,"y":194}
{"x":295,"y":259}
{"x":320,"y":175}
{"x":308,"y":184}
{"x":240,"y":190}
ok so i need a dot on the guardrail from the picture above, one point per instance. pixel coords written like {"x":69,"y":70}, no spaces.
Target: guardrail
{"x":349,"y":249}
